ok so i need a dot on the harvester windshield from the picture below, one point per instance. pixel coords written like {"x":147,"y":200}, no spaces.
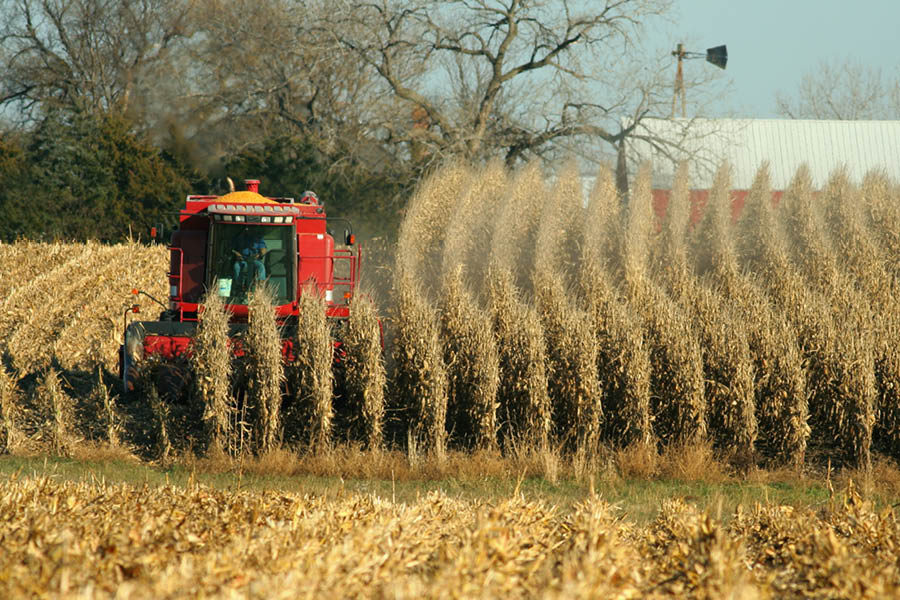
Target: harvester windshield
{"x":243,"y":255}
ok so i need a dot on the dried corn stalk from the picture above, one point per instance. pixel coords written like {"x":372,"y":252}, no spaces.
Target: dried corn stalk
{"x":524,"y":410}
{"x":311,"y":414}
{"x":420,"y":375}
{"x":472,"y":360}
{"x":11,"y":435}
{"x":211,"y":366}
{"x":264,"y":370}
{"x":365,"y":378}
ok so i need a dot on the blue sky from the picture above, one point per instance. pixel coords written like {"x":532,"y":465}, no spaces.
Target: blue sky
{"x":771,"y":43}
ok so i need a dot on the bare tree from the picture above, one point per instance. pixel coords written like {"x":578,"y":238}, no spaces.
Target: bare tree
{"x":263,"y":68}
{"x":516,"y":79}
{"x":511,"y":78}
{"x":96,"y":54}
{"x":395,"y":84}
{"x":845,"y":91}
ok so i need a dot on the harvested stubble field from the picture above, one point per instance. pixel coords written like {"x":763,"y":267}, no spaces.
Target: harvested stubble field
{"x":62,"y":308}
{"x":97,"y":540}
{"x":62,"y":304}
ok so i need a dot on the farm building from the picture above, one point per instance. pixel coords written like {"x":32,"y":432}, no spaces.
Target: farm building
{"x":823,"y":146}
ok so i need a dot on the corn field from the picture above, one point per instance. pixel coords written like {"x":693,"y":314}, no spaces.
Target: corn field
{"x":98,"y":540}
{"x":769,"y":334}
{"x":526,"y":313}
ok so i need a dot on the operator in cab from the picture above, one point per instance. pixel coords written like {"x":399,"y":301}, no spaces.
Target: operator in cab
{"x":248,"y":252}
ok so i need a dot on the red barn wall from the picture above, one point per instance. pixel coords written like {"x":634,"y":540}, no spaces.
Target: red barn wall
{"x":699,"y":198}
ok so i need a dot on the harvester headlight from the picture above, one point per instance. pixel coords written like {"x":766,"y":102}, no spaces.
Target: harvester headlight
{"x":227,"y":217}
{"x":289,"y":220}
{"x":266,"y":219}
{"x":239,"y":218}
{"x":278,"y":219}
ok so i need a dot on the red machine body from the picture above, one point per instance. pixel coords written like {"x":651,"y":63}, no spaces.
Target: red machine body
{"x":230,"y":243}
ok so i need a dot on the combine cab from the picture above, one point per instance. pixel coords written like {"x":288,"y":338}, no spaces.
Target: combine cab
{"x":230,"y":243}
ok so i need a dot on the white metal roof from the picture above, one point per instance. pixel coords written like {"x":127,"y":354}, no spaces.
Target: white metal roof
{"x":861,"y":146}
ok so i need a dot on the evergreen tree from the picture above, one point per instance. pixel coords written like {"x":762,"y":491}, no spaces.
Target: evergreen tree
{"x":81,"y":176}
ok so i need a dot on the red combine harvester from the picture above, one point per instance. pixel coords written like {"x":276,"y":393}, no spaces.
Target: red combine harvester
{"x":236,"y":241}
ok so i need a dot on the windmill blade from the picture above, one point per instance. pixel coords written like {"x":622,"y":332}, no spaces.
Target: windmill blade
{"x":717,"y":56}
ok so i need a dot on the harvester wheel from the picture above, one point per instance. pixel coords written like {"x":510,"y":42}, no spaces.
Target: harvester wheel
{"x":171,"y":379}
